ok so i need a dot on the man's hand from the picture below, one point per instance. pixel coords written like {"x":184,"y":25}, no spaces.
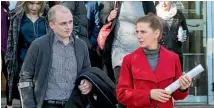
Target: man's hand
{"x":159,"y":95}
{"x":85,"y":86}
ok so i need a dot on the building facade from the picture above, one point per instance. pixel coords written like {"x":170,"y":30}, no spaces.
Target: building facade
{"x":199,"y":49}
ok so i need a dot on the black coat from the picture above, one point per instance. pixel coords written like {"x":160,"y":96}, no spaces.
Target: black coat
{"x":169,"y":36}
{"x":106,"y":7}
{"x":103,"y":87}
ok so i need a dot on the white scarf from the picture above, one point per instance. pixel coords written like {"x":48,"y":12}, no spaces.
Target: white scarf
{"x":166,"y":15}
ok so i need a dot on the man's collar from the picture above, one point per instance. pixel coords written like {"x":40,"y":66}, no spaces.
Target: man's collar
{"x":56,"y":39}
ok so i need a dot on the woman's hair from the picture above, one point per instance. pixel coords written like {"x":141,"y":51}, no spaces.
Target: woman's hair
{"x":23,"y":8}
{"x":154,"y":22}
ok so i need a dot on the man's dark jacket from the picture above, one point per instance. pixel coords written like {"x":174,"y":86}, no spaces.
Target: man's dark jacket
{"x":33,"y":81}
{"x":106,"y":8}
{"x":103,"y":87}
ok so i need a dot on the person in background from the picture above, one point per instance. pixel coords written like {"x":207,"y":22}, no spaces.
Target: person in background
{"x":4,"y":34}
{"x":147,"y":71}
{"x":52,"y":64}
{"x":26,"y":25}
{"x":121,"y":40}
{"x":171,"y":20}
{"x":45,"y":12}
{"x":93,"y":16}
{"x":79,"y":12}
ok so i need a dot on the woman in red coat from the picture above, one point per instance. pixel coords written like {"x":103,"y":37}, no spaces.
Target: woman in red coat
{"x":149,"y":69}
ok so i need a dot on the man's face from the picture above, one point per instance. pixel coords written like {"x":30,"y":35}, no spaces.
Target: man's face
{"x":62,"y":25}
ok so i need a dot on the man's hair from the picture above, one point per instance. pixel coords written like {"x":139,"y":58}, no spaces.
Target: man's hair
{"x":52,"y":11}
{"x":154,"y":22}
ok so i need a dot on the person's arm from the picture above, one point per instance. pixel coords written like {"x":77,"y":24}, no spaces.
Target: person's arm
{"x":106,"y":8}
{"x":86,"y":61}
{"x":125,"y":92}
{"x":26,"y":84}
{"x":10,"y":44}
{"x":184,"y":25}
{"x":179,"y":94}
{"x":96,"y":25}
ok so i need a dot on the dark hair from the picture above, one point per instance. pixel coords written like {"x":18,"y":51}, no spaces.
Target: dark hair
{"x":52,"y":3}
{"x":154,"y":22}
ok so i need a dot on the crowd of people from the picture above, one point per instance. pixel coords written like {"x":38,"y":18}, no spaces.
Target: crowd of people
{"x":52,"y":59}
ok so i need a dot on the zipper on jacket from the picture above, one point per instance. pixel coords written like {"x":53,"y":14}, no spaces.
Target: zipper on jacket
{"x":34,"y":30}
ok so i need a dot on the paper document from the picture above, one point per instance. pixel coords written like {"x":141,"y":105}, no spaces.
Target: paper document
{"x":192,"y":73}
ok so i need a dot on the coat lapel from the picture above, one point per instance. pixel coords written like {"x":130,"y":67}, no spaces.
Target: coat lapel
{"x":164,"y":68}
{"x":50,"y":49}
{"x":141,"y":67}
{"x":142,"y":70}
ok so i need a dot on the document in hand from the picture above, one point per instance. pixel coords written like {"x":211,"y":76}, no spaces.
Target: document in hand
{"x":192,"y":73}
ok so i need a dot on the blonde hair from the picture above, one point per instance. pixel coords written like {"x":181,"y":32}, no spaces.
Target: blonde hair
{"x":22,"y":8}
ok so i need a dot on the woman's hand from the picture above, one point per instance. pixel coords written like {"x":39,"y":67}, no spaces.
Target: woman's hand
{"x":185,"y":38}
{"x":112,"y":15}
{"x":185,"y":82}
{"x":159,"y":95}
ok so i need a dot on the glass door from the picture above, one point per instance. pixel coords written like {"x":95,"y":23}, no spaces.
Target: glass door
{"x":210,"y":51}
{"x":194,"y":49}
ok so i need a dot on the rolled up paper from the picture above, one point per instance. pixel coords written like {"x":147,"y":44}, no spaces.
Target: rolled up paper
{"x":192,"y":73}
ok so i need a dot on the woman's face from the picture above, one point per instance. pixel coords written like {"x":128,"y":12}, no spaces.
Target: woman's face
{"x":165,"y":4}
{"x":34,"y":7}
{"x":147,"y":37}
